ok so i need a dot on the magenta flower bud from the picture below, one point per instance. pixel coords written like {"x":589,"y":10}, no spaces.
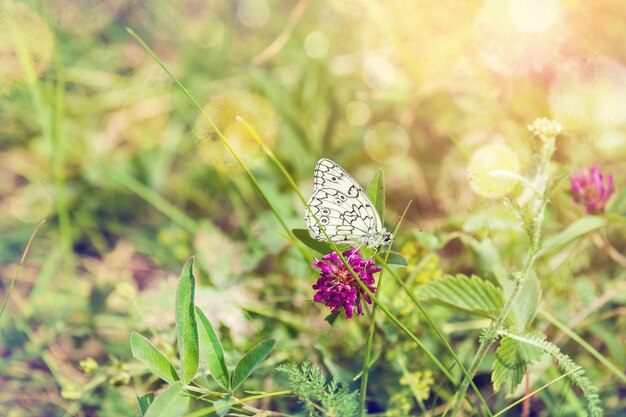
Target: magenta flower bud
{"x":337,"y":288}
{"x":592,"y":189}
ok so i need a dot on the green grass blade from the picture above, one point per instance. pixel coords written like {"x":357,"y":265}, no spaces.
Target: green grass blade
{"x":206,"y":117}
{"x":438,"y":331}
{"x":604,"y":361}
{"x":384,"y":309}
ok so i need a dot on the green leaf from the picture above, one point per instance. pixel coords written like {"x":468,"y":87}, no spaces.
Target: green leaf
{"x":579,"y":228}
{"x":396,"y":258}
{"x":145,"y":401}
{"x":474,"y":295}
{"x":617,"y":204}
{"x":332,"y":317}
{"x":173,"y":402}
{"x":376,"y":193}
{"x":318,"y":246}
{"x":526,"y":304}
{"x":510,"y":363}
{"x":250,"y":361}
{"x":186,"y":326}
{"x":213,"y":352}
{"x":152,"y":357}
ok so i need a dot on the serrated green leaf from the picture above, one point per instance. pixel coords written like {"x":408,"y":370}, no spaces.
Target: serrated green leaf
{"x":173,"y":402}
{"x":397,"y":259}
{"x":213,"y":352}
{"x":318,"y":246}
{"x":186,"y":326}
{"x":474,"y":295}
{"x":579,"y":228}
{"x":144,"y":402}
{"x":152,"y":357}
{"x":251,"y":361}
{"x":376,"y":193}
{"x":510,"y":363}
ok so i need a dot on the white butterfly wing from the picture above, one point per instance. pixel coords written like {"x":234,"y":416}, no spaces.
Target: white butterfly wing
{"x":342,"y":207}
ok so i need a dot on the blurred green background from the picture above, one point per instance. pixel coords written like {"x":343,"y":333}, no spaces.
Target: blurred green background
{"x":96,"y":139}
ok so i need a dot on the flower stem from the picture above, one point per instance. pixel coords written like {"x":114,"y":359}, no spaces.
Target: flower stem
{"x":368,"y":344}
{"x":538,"y":206}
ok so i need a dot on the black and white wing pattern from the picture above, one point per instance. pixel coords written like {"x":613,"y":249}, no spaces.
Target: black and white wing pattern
{"x":343,"y":209}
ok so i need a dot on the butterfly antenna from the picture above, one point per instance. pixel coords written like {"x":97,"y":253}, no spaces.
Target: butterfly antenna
{"x":395,"y":227}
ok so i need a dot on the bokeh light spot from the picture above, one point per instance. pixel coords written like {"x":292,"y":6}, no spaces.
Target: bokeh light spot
{"x":316,"y":44}
{"x":509,"y":51}
{"x":487,"y":170}
{"x":531,"y":16}
{"x":253,"y":13}
{"x":386,"y":141}
{"x":223,"y":110}
{"x":358,"y":113}
{"x":378,"y":72}
{"x":588,"y":96}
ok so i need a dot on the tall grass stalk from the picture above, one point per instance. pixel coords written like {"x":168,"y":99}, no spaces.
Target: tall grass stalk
{"x":49,"y":119}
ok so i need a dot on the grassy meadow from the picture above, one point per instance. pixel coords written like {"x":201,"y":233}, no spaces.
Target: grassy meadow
{"x":158,"y":160}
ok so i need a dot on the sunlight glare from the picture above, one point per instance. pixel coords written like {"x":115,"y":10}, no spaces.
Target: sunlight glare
{"x":531,"y":16}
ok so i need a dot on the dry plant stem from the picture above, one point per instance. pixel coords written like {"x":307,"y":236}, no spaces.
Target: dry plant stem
{"x":603,"y":243}
{"x":526,"y":403}
{"x":19,"y":266}
{"x":277,"y":45}
{"x":595,"y":305}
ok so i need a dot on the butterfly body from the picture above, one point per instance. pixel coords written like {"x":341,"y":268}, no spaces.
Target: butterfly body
{"x":343,"y":209}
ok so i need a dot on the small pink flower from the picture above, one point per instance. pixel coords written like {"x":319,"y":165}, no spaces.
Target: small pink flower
{"x":592,"y":189}
{"x":337,"y":288}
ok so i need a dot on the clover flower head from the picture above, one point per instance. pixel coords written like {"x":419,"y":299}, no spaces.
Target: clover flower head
{"x":337,"y":288}
{"x":592,"y":189}
{"x":544,"y":128}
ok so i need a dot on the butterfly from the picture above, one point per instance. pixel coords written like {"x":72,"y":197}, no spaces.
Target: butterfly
{"x":343,"y":209}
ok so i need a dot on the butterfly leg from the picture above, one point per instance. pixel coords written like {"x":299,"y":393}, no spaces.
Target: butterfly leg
{"x":356,"y":250}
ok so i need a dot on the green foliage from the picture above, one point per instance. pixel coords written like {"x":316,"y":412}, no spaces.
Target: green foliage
{"x":97,"y":139}
{"x":510,"y":363}
{"x":144,"y":402}
{"x":376,"y":193}
{"x":251,"y":361}
{"x":186,"y":327}
{"x":575,"y":373}
{"x":173,"y":402}
{"x":213,"y":352}
{"x":318,"y":397}
{"x":471,"y":294}
{"x":575,"y":230}
{"x":150,"y":356}
{"x":318,"y":246}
